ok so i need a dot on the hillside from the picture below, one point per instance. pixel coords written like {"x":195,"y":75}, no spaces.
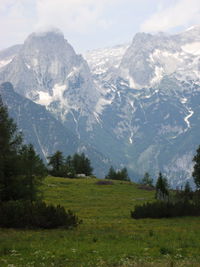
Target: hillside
{"x":108,"y":236}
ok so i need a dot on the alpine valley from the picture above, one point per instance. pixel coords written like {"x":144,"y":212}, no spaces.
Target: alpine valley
{"x":135,"y":105}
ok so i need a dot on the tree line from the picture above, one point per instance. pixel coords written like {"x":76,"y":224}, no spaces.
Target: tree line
{"x":21,"y":174}
{"x":172,"y":203}
{"x":70,"y":166}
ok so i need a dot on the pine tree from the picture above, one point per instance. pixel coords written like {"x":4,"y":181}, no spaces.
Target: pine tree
{"x":162,"y":188}
{"x":81,"y":164}
{"x":147,"y":180}
{"x":10,"y":142}
{"x":33,"y":172}
{"x":187,"y":193}
{"x":123,"y":175}
{"x":20,"y":167}
{"x":69,"y":168}
{"x":56,"y":161}
{"x":111,"y":174}
{"x":118,"y":175}
{"x":196,"y":170}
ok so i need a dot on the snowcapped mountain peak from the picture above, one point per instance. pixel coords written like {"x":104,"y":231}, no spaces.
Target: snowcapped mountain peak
{"x":101,"y":60}
{"x":151,"y":57}
{"x":47,"y":70}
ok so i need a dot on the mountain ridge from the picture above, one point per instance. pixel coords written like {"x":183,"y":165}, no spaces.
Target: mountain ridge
{"x":136,"y":104}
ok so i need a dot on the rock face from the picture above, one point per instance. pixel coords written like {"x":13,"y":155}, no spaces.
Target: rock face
{"x":46,"y":133}
{"x":138,"y":106}
{"x":151,"y":57}
{"x":39,"y":127}
{"x":49,"y":72}
{"x":151,"y":103}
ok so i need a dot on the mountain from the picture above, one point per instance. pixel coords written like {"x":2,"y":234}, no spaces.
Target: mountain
{"x":151,"y":103}
{"x":133,"y":105}
{"x":151,"y":57}
{"x":40,"y":128}
{"x":7,"y":55}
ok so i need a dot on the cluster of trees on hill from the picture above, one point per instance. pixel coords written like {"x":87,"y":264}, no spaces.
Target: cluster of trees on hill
{"x":117,"y":175}
{"x":70,"y":166}
{"x":21,"y":174}
{"x":147,"y":180}
{"x":173,"y":203}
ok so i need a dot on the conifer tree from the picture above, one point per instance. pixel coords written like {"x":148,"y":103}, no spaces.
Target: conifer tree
{"x":81,"y":164}
{"x":118,"y":175}
{"x":10,"y":141}
{"x":20,"y":167}
{"x":69,"y":168}
{"x":33,"y":172}
{"x":196,"y":170}
{"x":147,"y":180}
{"x":162,"y":188}
{"x":111,"y":174}
{"x":56,"y":161}
{"x":123,"y":174}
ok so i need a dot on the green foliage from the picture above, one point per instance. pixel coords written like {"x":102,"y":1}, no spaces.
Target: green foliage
{"x":81,"y":164}
{"x":71,"y":166}
{"x":162,"y":209}
{"x":147,"y":180}
{"x":117,"y":175}
{"x":162,"y":188}
{"x":33,"y":171}
{"x":56,"y":161}
{"x":69,"y":169}
{"x":28,"y":214}
{"x":10,"y":142}
{"x":21,"y":173}
{"x":196,"y":170}
{"x":21,"y":169}
{"x":184,"y":195}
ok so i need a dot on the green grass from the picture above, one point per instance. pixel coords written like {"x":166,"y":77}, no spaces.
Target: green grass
{"x":108,"y":235}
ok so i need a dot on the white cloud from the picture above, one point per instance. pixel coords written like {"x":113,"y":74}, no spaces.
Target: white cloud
{"x":182,"y":13}
{"x":73,"y":15}
{"x":15,"y":21}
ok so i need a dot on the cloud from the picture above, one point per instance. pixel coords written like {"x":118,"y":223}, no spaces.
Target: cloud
{"x":15,"y":21}
{"x":182,"y":13}
{"x":80,"y":16}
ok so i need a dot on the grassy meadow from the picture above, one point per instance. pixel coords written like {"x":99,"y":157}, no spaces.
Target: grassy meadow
{"x":108,"y":235}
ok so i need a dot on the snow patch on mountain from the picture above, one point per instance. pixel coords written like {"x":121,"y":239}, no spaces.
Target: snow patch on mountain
{"x":44,"y":98}
{"x":5,"y":62}
{"x":102,"y":102}
{"x":101,"y":60}
{"x":186,"y":119}
{"x":192,"y":48}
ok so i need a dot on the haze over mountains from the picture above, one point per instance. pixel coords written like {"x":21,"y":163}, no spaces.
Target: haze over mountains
{"x":131,"y":105}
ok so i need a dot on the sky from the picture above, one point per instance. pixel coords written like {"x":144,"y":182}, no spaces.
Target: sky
{"x":92,"y":24}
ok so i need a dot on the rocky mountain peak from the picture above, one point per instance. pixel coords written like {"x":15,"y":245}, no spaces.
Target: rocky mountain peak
{"x":151,"y":57}
{"x":48,"y":71}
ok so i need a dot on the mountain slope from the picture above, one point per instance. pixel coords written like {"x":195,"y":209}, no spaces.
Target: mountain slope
{"x":38,"y":126}
{"x":136,"y":107}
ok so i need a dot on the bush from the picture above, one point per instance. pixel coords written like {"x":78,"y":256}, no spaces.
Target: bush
{"x":104,"y":182}
{"x":27,"y":214}
{"x":161,"y":209}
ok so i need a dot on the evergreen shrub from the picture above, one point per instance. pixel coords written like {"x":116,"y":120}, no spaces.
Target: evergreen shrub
{"x":27,"y":214}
